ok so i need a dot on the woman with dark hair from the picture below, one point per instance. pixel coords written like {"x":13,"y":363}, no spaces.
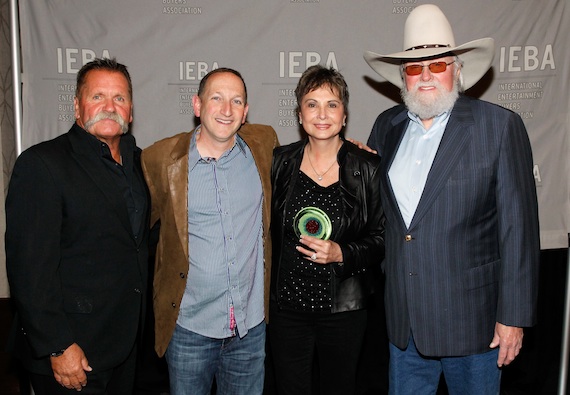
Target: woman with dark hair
{"x":326,"y":230}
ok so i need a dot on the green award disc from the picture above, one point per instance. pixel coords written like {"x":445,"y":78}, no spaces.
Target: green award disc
{"x":312,"y":221}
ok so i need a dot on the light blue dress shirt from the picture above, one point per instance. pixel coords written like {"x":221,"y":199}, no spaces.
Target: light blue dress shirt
{"x":225,"y":284}
{"x":411,"y":165}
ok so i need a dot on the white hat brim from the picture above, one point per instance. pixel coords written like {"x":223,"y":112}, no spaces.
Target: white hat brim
{"x":476,"y":55}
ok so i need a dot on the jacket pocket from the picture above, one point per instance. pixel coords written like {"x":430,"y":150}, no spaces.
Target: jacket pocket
{"x":78,"y":304}
{"x":481,"y":276}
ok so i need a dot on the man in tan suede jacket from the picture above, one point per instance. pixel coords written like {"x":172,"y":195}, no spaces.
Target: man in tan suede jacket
{"x":211,"y":192}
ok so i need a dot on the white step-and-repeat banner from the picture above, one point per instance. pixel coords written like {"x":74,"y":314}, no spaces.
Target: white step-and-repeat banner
{"x":169,"y":45}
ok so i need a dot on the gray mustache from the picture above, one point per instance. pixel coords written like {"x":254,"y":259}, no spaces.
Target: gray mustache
{"x":113,"y":116}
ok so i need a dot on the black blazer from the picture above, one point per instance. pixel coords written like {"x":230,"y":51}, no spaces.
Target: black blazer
{"x":77,"y":273}
{"x":470,"y":256}
{"x":360,"y":233}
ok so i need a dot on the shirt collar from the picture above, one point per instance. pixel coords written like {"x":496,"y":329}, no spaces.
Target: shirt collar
{"x":194,"y":156}
{"x":438,"y":121}
{"x":126,"y":146}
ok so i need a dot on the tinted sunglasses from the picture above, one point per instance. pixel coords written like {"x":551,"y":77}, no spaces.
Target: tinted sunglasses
{"x":435,"y":67}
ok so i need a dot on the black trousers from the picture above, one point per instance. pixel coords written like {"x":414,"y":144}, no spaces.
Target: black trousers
{"x":300,"y":341}
{"x":116,"y":381}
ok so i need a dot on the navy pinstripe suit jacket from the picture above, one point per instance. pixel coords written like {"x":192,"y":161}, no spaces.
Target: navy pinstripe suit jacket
{"x":470,"y":256}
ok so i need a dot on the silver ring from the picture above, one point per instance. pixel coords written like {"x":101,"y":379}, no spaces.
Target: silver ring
{"x":314,"y":256}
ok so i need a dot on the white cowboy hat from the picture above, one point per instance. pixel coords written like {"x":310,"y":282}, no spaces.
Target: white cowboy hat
{"x":427,"y":33}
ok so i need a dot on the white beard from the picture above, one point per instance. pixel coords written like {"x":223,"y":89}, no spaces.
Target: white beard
{"x":429,"y":106}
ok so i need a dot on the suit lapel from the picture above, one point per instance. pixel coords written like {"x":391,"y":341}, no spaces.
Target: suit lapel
{"x":138,"y":174}
{"x":95,"y":169}
{"x":458,"y":133}
{"x":178,"y":187}
{"x":391,"y":144}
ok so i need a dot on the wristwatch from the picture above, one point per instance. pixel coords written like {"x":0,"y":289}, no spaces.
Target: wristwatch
{"x":57,"y":353}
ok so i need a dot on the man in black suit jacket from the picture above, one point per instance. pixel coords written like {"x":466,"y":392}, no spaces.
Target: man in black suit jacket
{"x":76,"y":244}
{"x":462,"y":244}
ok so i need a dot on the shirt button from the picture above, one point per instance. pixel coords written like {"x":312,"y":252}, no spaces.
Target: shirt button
{"x":182,"y":275}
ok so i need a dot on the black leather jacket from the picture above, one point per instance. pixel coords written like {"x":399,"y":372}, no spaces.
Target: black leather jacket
{"x":361,"y":230}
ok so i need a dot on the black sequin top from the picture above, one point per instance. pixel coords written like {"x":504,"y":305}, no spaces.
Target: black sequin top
{"x":303,"y":284}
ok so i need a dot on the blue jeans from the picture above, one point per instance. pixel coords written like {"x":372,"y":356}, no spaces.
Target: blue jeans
{"x":236,"y":363}
{"x":413,"y":373}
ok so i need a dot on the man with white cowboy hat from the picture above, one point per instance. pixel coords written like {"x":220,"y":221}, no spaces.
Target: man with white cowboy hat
{"x":462,"y":243}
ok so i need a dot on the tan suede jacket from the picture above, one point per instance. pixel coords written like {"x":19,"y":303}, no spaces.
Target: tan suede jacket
{"x":165,"y":167}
